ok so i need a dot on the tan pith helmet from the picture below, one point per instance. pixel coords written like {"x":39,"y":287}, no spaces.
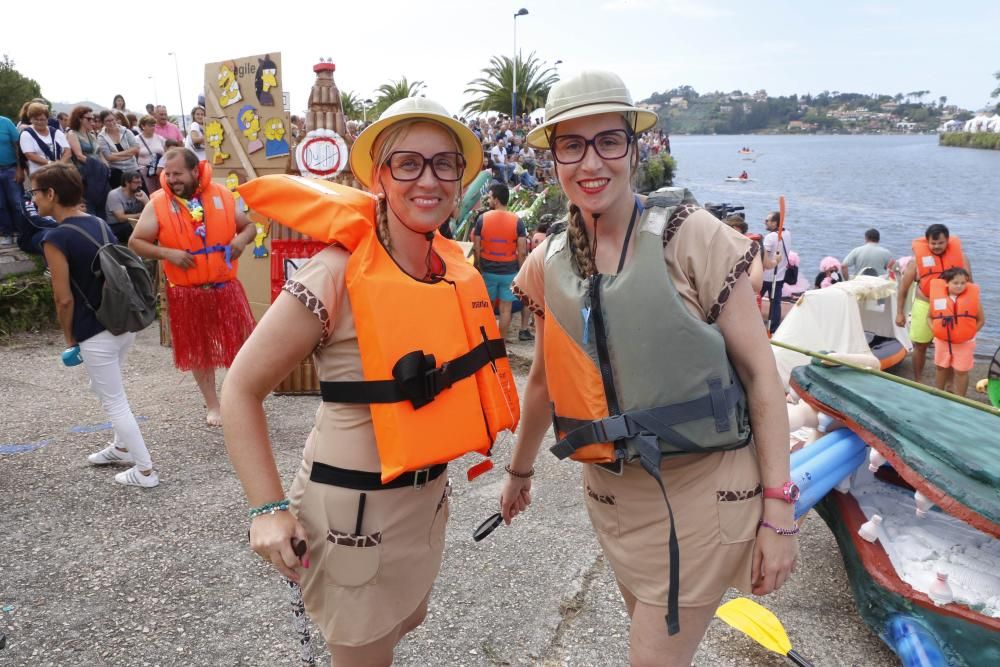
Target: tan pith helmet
{"x":414,"y":107}
{"x":588,"y":94}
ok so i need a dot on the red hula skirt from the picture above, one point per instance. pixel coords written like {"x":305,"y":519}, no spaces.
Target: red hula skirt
{"x":208,"y":324}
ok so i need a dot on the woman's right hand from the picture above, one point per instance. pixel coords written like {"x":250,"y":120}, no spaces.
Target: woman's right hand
{"x":515,"y":497}
{"x":271,"y":537}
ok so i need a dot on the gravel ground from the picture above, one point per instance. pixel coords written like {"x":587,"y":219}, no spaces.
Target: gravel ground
{"x":92,"y":573}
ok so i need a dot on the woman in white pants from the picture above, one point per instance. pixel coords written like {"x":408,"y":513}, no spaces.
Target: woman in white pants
{"x":57,"y":192}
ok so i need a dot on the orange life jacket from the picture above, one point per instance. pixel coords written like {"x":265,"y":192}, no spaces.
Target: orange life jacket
{"x":498,"y":241}
{"x":436,"y":372}
{"x":212,"y":260}
{"x":930,"y":266}
{"x":954,"y":321}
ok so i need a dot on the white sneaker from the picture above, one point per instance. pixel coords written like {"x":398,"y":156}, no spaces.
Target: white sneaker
{"x":132,"y":477}
{"x":110,"y":454}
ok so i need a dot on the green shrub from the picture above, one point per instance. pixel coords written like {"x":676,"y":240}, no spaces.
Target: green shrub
{"x":656,"y":172}
{"x":987,"y":140}
{"x":26,"y":304}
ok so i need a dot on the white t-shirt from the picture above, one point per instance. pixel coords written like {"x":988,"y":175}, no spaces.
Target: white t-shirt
{"x":29,"y":145}
{"x":771,"y":245}
{"x":498,"y":154}
{"x":189,"y":144}
{"x":154,"y":144}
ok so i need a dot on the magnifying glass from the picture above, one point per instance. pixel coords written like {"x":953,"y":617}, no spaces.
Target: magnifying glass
{"x":487,"y":527}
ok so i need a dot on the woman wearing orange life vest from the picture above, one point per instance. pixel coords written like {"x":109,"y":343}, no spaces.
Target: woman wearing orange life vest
{"x":639,"y":303}
{"x":401,"y":398}
{"x":956,"y":316}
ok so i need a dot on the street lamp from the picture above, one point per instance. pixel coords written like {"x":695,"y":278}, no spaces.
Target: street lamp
{"x":364,"y":106}
{"x":177,"y":71}
{"x":513,"y":98}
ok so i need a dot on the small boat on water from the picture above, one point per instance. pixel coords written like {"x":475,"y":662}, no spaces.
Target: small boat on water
{"x":745,"y":151}
{"x":926,"y":581}
{"x":737,"y":179}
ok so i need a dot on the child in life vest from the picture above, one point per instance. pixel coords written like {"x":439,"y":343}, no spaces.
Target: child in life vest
{"x":956,"y":316}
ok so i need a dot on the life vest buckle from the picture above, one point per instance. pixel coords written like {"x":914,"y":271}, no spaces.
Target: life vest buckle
{"x":419,"y":379}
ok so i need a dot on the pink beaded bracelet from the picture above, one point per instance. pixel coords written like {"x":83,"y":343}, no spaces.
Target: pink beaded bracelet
{"x":780,"y":531}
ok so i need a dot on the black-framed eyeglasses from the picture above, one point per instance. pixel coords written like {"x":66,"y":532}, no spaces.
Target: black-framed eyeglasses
{"x":610,"y":145}
{"x":32,"y":191}
{"x":410,"y":165}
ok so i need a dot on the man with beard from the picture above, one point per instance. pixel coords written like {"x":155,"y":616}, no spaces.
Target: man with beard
{"x":193,"y":226}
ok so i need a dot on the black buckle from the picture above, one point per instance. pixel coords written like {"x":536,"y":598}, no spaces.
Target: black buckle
{"x":612,"y":429}
{"x":436,"y":380}
{"x":418,"y":378}
{"x":419,"y":483}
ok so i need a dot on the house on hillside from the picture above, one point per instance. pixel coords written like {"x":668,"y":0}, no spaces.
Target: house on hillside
{"x":679,"y":102}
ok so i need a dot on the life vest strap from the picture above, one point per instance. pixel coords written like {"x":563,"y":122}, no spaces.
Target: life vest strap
{"x":655,"y":421}
{"x":360,"y":480}
{"x":228,"y":250}
{"x":416,"y":377}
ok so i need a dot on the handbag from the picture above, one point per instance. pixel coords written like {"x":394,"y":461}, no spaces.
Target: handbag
{"x":791,"y":272}
{"x":154,"y":159}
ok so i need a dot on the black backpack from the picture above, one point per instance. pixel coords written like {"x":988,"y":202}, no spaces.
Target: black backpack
{"x":128,"y":301}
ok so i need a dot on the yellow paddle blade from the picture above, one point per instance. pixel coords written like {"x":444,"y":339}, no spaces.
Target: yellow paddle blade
{"x":757,"y":622}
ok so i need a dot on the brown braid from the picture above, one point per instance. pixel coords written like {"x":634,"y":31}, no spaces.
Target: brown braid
{"x":576,"y":233}
{"x":382,"y":223}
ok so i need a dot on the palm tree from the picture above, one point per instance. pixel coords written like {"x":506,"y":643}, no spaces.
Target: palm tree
{"x":350,"y":104}
{"x":391,"y":92}
{"x":996,"y":91}
{"x":492,"y":91}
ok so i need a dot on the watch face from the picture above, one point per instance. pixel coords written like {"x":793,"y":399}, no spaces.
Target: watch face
{"x":793,"y":492}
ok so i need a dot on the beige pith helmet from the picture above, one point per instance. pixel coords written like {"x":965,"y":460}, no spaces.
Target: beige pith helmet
{"x":588,"y":94}
{"x":414,"y":107}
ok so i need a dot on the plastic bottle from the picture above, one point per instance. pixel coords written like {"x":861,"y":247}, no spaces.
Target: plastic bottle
{"x":71,"y":356}
{"x":939,"y":591}
{"x":869,"y":529}
{"x":915,"y":645}
{"x":924,"y":504}
{"x":875,"y":460}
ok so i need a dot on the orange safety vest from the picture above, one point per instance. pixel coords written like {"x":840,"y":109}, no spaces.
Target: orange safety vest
{"x":498,"y":240}
{"x":212,"y":260}
{"x":954,"y":321}
{"x":930,"y":266}
{"x":436,"y":372}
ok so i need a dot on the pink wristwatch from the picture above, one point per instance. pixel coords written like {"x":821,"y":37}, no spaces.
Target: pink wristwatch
{"x":789,"y":492}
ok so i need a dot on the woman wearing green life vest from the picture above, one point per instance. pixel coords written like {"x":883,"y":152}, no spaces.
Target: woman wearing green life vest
{"x":652,"y":356}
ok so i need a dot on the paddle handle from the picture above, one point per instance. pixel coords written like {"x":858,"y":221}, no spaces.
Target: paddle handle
{"x":894,"y":378}
{"x":794,"y":656}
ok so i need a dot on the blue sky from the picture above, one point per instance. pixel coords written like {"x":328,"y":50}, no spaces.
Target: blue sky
{"x":783,"y":46}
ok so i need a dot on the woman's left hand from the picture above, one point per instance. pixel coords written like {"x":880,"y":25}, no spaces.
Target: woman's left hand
{"x":774,"y":559}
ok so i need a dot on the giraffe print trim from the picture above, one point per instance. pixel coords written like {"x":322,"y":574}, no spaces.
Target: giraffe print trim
{"x":741,"y":267}
{"x":736,"y":496}
{"x":358,"y":541}
{"x":680,"y":214}
{"x":527,"y":301}
{"x":606,"y":500}
{"x":313,"y":303}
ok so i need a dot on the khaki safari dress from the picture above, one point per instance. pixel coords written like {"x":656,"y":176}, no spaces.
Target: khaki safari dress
{"x":362,"y":582}
{"x":717,"y":496}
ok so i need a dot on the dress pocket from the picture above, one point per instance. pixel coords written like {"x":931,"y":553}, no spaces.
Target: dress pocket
{"x":351,"y":560}
{"x":603,"y":510}
{"x":739,"y":512}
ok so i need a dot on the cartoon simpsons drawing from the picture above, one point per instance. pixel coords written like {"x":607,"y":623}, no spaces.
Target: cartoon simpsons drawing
{"x":214,"y":134}
{"x":266,"y":79}
{"x":276,"y":144}
{"x":249,"y":123}
{"x":229,"y":88}
{"x":233,"y":182}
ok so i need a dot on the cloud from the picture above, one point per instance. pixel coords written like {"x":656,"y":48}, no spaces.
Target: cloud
{"x":687,"y":9}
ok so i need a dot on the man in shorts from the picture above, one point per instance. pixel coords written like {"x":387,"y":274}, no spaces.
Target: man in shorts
{"x":938,"y":260}
{"x":500,"y":243}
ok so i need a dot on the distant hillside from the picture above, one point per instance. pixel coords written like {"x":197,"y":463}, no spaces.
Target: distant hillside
{"x":684,"y":111}
{"x":59,"y":107}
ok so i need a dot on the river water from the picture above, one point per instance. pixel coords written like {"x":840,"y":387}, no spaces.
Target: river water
{"x":836,"y":187}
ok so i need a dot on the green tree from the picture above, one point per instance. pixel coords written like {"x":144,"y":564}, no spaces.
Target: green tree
{"x":390,"y":93}
{"x":15,"y":89}
{"x":351,"y":105}
{"x":492,"y":91}
{"x":996,"y":91}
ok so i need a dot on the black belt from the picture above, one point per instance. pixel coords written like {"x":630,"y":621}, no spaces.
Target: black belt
{"x":360,"y":480}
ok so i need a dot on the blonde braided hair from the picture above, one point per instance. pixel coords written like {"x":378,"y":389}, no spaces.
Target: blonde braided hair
{"x":382,"y":222}
{"x":576,"y":233}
